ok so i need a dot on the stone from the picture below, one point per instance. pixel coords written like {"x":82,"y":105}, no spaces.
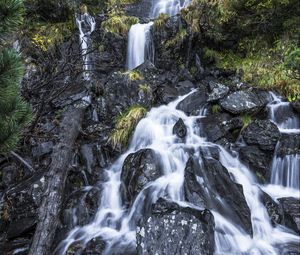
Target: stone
{"x":193,"y":104}
{"x":172,"y":229}
{"x":243,"y":101}
{"x":216,"y":183}
{"x":296,"y":105}
{"x":217,"y":91}
{"x":180,"y":129}
{"x":138,"y":170}
{"x":291,"y":209}
{"x":263,"y":133}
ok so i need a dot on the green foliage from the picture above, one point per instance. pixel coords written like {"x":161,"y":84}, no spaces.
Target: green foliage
{"x":178,"y":39}
{"x":292,"y":62}
{"x":134,"y":75}
{"x":216,"y":108}
{"x":160,"y":21}
{"x":125,"y":125}
{"x":11,"y":16}
{"x":145,"y":88}
{"x":246,"y":119}
{"x":14,"y":113}
{"x":119,"y":24}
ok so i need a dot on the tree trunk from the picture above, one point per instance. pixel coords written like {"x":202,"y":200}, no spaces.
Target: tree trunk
{"x":50,"y":207}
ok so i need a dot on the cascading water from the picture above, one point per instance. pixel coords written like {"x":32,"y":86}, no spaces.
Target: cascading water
{"x":140,"y":45}
{"x":86,"y":25}
{"x":117,"y":226}
{"x":285,"y":169}
{"x":169,"y":7}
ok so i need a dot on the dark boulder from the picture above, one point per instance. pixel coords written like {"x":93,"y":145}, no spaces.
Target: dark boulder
{"x":164,"y":94}
{"x":184,"y":87}
{"x":296,"y":105}
{"x":291,"y":209}
{"x":80,"y":208}
{"x":217,"y":126}
{"x":244,"y":101}
{"x":289,"y":144}
{"x":179,"y":129}
{"x":172,"y":229}
{"x":263,"y":133}
{"x":274,"y":209}
{"x":194,"y":102}
{"x":216,"y":91}
{"x":257,"y":161}
{"x":138,"y":170}
{"x":217,"y":191}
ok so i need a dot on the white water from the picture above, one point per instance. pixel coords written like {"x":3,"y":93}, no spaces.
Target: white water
{"x":169,"y":7}
{"x":140,"y":45}
{"x":117,"y":226}
{"x":86,"y":25}
{"x":285,"y":171}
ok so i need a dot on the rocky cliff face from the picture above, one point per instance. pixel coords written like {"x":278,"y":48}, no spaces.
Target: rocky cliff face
{"x":233,"y":116}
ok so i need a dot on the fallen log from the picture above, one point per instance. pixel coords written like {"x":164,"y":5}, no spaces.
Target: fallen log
{"x":48,"y":213}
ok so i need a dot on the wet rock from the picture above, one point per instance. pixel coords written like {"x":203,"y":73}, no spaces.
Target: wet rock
{"x":257,"y":160}
{"x":9,"y":174}
{"x":217,"y":126}
{"x":262,"y":133}
{"x":172,"y":229}
{"x":296,"y":105}
{"x":291,"y":209}
{"x":164,"y":94}
{"x":184,"y":87}
{"x":140,"y":9}
{"x":217,"y":91}
{"x":88,"y":157}
{"x":217,"y":191}
{"x":244,"y":101}
{"x":42,"y":149}
{"x":139,"y":169}
{"x":193,"y":103}
{"x":94,"y":247}
{"x":289,"y":144}
{"x":81,"y":208}
{"x":18,"y":246}
{"x":274,"y":209}
{"x":180,"y":129}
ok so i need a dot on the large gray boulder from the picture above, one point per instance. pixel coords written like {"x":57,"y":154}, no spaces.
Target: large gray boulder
{"x":176,"y":230}
{"x":243,"y":101}
{"x":263,"y":133}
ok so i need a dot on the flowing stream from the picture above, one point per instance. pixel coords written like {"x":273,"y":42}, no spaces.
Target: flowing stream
{"x":117,"y":226}
{"x":140,"y":45}
{"x":86,"y":25}
{"x":285,"y":178}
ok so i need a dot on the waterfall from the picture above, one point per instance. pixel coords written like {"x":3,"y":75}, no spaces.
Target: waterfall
{"x":86,"y":25}
{"x":169,"y":7}
{"x":117,"y":226}
{"x":140,"y":45}
{"x":284,"y":170}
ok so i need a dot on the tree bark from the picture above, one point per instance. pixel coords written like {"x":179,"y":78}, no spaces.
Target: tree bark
{"x":49,"y":210}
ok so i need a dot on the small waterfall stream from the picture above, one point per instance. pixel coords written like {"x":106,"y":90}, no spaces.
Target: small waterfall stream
{"x":284,"y":170}
{"x":86,"y":25}
{"x":140,"y":45}
{"x":117,"y":226}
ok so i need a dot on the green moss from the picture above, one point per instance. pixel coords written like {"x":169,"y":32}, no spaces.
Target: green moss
{"x":247,"y":119}
{"x":216,"y":108}
{"x":119,"y":24}
{"x":160,"y":21}
{"x":178,"y":39}
{"x":125,"y":125}
{"x":46,"y":35}
{"x":145,"y":88}
{"x":134,"y":75}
